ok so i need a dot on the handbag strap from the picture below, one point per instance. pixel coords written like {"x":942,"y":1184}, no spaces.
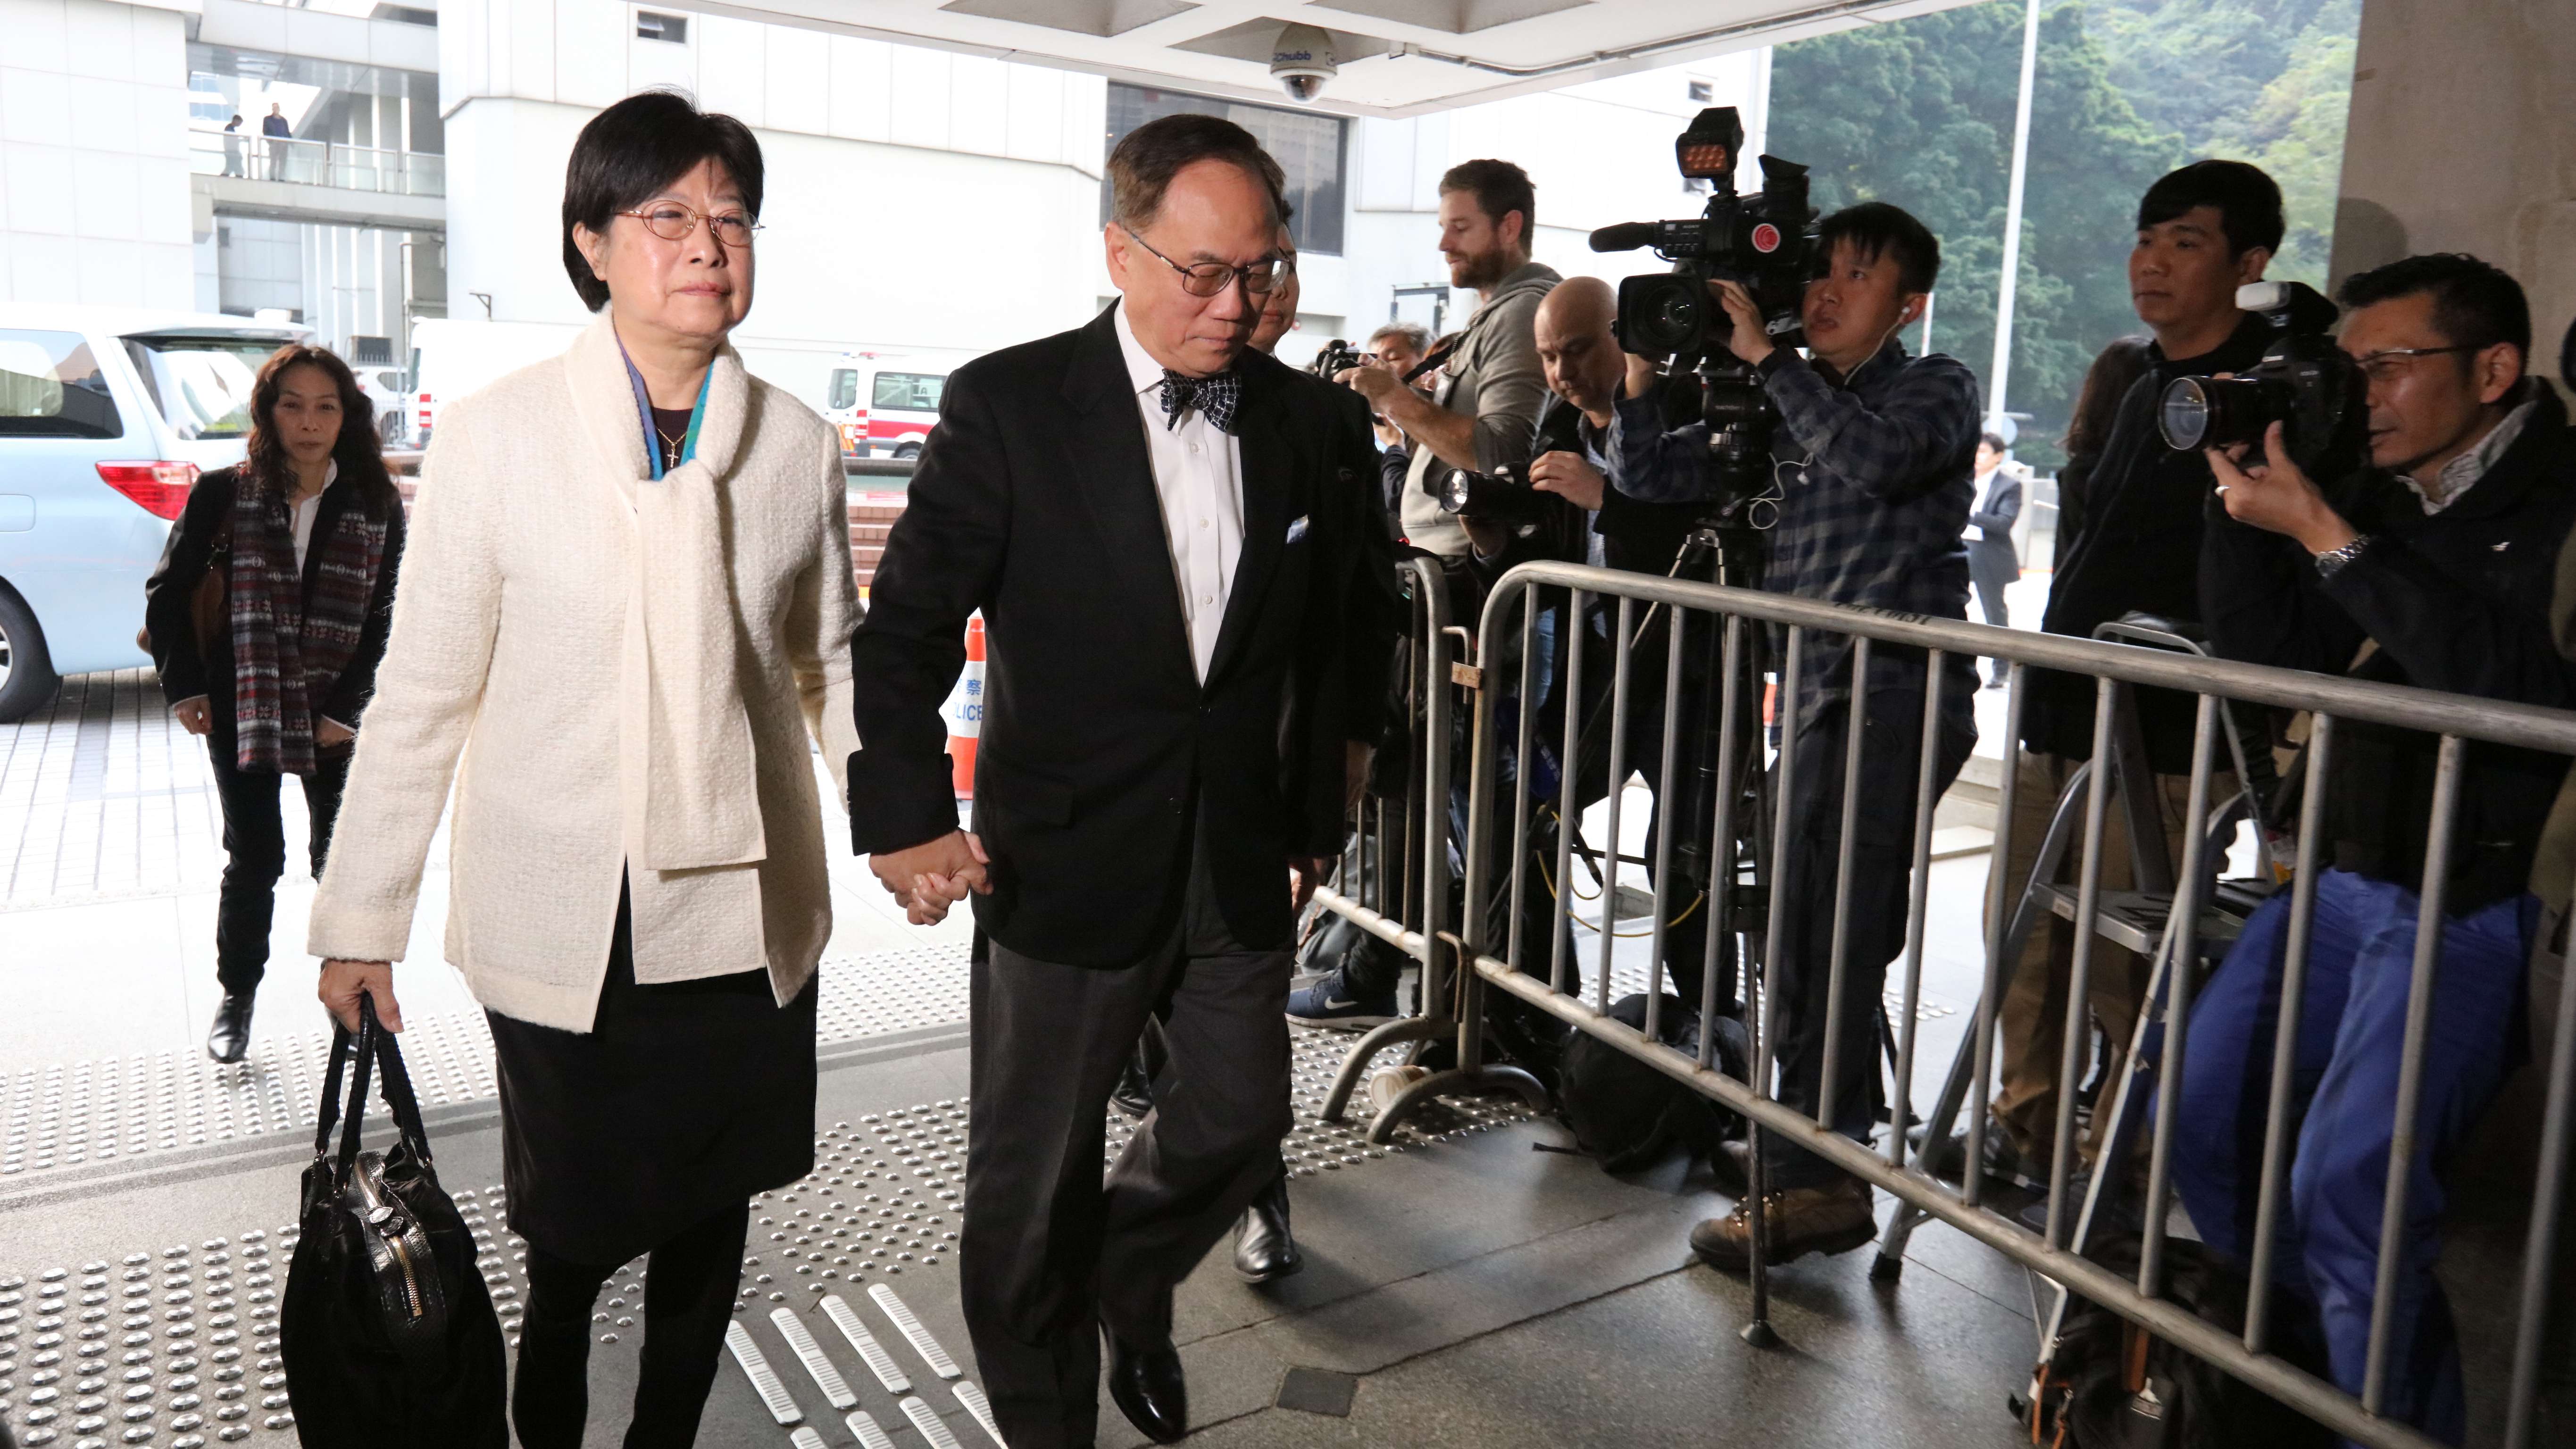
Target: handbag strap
{"x":368,"y":1032}
{"x":397,"y":1084}
{"x":330,"y":1116}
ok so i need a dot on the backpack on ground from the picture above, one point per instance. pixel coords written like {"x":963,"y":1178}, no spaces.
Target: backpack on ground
{"x":1627,"y":1115}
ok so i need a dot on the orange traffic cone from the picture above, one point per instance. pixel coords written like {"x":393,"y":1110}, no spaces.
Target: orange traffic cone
{"x":965,"y":711}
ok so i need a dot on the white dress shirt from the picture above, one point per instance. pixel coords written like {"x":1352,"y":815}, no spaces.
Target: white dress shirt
{"x":1198,"y":474}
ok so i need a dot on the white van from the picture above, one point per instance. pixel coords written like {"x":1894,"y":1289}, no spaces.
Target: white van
{"x":107,"y":416}
{"x":884,"y":405}
{"x":452,"y":357}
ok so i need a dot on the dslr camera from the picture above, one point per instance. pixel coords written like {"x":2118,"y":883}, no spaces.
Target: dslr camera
{"x":1338,"y":357}
{"x":1767,"y":243}
{"x":1506,"y":495}
{"x":2306,"y":383}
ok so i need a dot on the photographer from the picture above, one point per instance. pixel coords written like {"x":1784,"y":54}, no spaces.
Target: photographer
{"x":2438,"y":560}
{"x":1397,"y":347}
{"x":1490,"y":389}
{"x":2202,"y":231}
{"x":1871,"y":456}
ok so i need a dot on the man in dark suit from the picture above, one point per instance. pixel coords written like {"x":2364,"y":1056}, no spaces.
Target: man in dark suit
{"x":1159,"y":527}
{"x":1993,"y":564}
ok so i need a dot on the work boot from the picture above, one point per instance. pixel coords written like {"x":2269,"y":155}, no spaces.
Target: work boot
{"x":229,"y":1040}
{"x":1835,"y":1218}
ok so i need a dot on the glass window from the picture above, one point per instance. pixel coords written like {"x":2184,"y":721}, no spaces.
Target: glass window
{"x":202,"y":384}
{"x":1307,"y":146}
{"x":909,"y":391}
{"x":51,"y":387}
{"x":845,"y":389}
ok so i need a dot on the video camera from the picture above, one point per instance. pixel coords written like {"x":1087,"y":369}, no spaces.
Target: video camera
{"x":1766,"y":242}
{"x":2305,"y":382}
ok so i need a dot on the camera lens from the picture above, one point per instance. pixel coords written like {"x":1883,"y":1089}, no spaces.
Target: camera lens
{"x":2184,"y":416}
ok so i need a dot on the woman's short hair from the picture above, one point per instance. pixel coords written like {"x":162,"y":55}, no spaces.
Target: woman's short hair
{"x":630,"y":152}
{"x":359,"y":450}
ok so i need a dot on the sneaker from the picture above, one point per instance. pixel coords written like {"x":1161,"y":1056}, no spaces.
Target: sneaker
{"x":1390,"y":1083}
{"x":1328,"y":1004}
{"x":1835,"y":1218}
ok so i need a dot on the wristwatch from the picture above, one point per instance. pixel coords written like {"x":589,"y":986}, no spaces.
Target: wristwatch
{"x":2332,"y":561}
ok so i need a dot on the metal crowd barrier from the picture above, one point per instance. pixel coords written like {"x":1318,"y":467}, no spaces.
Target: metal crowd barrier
{"x":1416,"y":917}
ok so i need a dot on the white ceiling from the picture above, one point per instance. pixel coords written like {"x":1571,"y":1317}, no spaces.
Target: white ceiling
{"x":1398,"y":57}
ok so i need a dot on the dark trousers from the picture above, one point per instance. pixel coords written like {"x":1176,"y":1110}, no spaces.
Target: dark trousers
{"x":1881,"y":859}
{"x":2351,"y":1036}
{"x":689,"y":1286}
{"x":1992,"y":570}
{"x":255,"y":853}
{"x":1049,"y":1253}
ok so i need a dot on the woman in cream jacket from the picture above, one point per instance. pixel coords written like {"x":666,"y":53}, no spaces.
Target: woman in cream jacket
{"x":626,"y":604}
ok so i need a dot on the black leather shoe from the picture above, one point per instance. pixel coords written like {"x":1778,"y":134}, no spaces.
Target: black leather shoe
{"x":1134,"y":1094}
{"x":229,"y":1041}
{"x":1263,"y":1249}
{"x":1146,"y":1385}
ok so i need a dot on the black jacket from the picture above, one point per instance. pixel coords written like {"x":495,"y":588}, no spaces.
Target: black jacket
{"x":188,"y":671}
{"x":1998,"y":505}
{"x":2139,"y":551}
{"x":2457,"y":600}
{"x":1035,"y":502}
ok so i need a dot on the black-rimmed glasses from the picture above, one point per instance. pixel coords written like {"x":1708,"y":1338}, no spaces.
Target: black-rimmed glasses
{"x":674,"y":221}
{"x":1210,"y":279}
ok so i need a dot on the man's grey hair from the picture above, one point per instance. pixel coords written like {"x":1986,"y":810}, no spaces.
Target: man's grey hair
{"x":1415,"y":336}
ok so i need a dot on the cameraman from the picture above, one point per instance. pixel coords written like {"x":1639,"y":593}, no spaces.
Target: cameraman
{"x":1871,"y":457}
{"x":1490,"y":388}
{"x":2441,"y":555}
{"x":2202,"y":231}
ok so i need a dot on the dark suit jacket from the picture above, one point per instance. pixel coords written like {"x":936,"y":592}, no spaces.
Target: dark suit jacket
{"x":1998,"y":504}
{"x":1035,"y":502}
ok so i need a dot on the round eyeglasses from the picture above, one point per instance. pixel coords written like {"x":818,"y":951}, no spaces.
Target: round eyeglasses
{"x":672,"y":221}
{"x":1209,"y":279}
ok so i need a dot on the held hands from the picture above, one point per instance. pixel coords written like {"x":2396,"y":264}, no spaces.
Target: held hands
{"x":928,"y":878}
{"x":2275,"y":496}
{"x":1305,"y":872}
{"x":193,"y":715}
{"x":1569,"y":477}
{"x":343,"y":982}
{"x":1747,"y":340}
{"x":330,"y":732}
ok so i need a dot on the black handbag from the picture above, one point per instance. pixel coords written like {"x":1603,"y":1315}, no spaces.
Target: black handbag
{"x":389,"y":1338}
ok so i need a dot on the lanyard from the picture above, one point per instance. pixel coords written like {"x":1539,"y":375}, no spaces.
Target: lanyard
{"x":644,"y":415}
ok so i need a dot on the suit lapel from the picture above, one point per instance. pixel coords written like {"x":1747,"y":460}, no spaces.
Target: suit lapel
{"x":1114,"y":474}
{"x":1265,"y":461}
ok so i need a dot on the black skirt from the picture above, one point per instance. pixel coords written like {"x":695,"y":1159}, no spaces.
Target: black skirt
{"x":682,"y":1101}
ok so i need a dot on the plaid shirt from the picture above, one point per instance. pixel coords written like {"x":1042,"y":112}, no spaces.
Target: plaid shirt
{"x":1874,"y":483}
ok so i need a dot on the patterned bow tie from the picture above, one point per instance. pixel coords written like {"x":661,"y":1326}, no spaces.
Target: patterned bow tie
{"x":1216,"y":396}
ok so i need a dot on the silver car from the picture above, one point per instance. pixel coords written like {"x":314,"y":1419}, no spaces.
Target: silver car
{"x":107,"y":416}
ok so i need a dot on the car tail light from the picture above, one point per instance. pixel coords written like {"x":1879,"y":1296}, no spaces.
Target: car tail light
{"x":160,"y":488}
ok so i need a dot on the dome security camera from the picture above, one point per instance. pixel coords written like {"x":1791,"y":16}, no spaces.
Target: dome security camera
{"x":1301,"y":60}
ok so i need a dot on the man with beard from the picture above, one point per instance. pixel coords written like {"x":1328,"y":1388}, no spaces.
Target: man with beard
{"x":1486,"y":409}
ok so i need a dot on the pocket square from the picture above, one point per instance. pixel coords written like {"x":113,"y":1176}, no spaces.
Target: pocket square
{"x":1297,"y":529}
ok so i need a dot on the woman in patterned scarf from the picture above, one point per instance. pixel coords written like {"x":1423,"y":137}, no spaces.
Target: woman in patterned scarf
{"x":267,"y":615}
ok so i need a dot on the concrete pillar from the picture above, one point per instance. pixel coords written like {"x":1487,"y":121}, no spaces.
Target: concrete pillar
{"x":2462,"y":139}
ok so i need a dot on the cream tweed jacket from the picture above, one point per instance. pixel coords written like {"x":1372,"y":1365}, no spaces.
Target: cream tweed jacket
{"x":520,"y":645}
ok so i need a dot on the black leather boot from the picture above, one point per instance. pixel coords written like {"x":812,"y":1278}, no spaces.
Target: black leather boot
{"x":229,"y":1041}
{"x":1263,"y":1249}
